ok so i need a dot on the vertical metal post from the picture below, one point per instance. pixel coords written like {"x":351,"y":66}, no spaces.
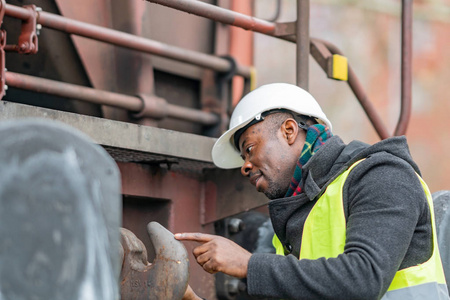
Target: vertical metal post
{"x":406,"y":72}
{"x":302,"y":31}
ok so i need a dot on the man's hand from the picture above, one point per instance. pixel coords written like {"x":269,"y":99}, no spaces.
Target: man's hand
{"x":218,"y":254}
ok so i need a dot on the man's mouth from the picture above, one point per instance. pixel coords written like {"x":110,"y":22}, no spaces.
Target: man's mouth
{"x":254,"y":179}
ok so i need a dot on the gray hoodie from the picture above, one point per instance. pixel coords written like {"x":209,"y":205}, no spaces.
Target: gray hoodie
{"x":388,"y":226}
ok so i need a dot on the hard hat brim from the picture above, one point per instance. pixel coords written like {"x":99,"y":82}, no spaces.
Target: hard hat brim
{"x":224,"y":154}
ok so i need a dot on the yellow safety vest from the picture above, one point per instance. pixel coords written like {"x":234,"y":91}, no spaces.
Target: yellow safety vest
{"x":324,"y":235}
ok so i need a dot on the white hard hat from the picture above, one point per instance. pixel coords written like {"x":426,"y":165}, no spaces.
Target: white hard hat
{"x":265,"y":98}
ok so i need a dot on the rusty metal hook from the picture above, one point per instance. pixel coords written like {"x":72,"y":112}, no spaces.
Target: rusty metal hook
{"x":166,"y":278}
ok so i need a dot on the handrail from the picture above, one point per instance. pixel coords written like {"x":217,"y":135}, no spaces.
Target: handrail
{"x":145,"y":106}
{"x":127,"y":40}
{"x":223,"y":65}
{"x":272,"y":29}
{"x":406,"y":71}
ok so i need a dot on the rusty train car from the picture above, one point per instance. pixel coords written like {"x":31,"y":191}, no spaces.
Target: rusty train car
{"x":154,"y":82}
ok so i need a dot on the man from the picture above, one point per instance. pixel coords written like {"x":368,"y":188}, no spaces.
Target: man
{"x":351,"y":221}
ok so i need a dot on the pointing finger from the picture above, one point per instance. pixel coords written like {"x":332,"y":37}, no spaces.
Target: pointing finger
{"x":194,"y":236}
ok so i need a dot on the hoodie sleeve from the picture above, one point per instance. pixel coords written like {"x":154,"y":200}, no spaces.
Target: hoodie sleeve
{"x":385,"y":203}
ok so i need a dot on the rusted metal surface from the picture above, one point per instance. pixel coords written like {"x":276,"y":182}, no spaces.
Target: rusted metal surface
{"x":127,"y":40}
{"x":17,"y":12}
{"x":241,"y":48}
{"x":56,"y":59}
{"x":2,"y":10}
{"x":220,"y":84}
{"x":98,"y":59}
{"x":165,"y":278}
{"x":225,"y":16}
{"x":153,"y":106}
{"x":28,"y":41}
{"x":194,"y":205}
{"x":173,"y":198}
{"x":406,"y":68}
{"x":209,"y":97}
{"x":302,"y":30}
{"x":134,"y":69}
{"x":187,"y":32}
{"x":192,"y":115}
{"x":68,"y":90}
{"x":219,"y":14}
{"x":134,"y":104}
{"x":228,"y":193}
{"x":321,"y":54}
{"x":285,"y":29}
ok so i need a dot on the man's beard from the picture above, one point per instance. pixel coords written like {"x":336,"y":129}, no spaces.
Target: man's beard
{"x":275,"y":191}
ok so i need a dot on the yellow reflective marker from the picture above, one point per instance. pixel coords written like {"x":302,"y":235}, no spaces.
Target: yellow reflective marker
{"x":252,"y":78}
{"x":340,"y":67}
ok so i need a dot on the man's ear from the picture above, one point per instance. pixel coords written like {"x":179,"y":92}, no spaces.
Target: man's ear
{"x":290,"y":129}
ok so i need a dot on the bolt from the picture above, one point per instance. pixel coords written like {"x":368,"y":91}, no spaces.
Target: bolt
{"x":38,"y":8}
{"x":38,"y":26}
{"x":23,"y":46}
{"x":5,"y":87}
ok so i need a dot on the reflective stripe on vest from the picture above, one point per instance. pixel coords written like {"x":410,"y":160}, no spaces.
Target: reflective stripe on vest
{"x":324,"y":235}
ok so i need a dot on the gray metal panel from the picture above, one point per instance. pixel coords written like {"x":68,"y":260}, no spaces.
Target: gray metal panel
{"x":130,"y":138}
{"x":60,"y":211}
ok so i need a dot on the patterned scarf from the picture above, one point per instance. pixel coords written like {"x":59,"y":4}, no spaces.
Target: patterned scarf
{"x":316,"y":136}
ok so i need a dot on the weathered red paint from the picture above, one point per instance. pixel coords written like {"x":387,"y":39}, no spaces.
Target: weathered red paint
{"x":165,"y":277}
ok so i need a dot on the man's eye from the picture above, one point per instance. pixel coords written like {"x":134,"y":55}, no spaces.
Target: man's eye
{"x":249,"y":149}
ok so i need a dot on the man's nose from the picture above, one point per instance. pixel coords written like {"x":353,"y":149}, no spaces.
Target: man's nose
{"x":246,"y":168}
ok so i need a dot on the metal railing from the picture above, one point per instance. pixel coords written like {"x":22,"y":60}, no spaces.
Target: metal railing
{"x":294,"y":32}
{"x":147,"y":106}
{"x":299,"y":31}
{"x":143,"y":106}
